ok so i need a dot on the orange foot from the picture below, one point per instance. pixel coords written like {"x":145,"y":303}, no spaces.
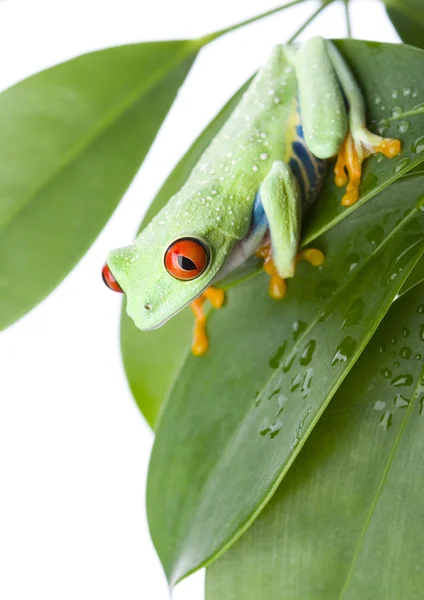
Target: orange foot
{"x":200,"y":337}
{"x":277,"y":285}
{"x":354,"y":150}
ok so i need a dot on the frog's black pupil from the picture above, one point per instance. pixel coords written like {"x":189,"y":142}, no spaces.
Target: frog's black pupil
{"x":185,"y":263}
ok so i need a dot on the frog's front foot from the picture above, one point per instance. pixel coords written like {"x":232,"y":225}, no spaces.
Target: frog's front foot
{"x":356,"y":147}
{"x":277,"y":285}
{"x":200,"y":342}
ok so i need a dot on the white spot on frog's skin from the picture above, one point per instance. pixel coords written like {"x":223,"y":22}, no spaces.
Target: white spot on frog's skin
{"x":255,"y":168}
{"x":263,"y":156}
{"x":277,"y":100}
{"x":377,"y":100}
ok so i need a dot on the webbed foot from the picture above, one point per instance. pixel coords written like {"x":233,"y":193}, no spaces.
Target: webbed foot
{"x":356,"y":147}
{"x":200,"y":342}
{"x":277,"y":285}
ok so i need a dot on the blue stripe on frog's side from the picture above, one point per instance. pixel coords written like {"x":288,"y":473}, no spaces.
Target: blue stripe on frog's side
{"x":308,"y":170}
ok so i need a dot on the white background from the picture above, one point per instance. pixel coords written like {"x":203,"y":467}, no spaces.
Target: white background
{"x":74,"y":449}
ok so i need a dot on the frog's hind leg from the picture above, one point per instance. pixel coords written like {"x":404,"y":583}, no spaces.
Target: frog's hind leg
{"x":359,"y":143}
{"x":200,"y":342}
{"x":322,"y":74}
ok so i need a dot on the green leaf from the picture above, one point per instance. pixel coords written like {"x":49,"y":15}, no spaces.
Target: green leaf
{"x":347,"y":520}
{"x":72,"y":139}
{"x":153,"y":359}
{"x":408,"y":19}
{"x":237,"y":418}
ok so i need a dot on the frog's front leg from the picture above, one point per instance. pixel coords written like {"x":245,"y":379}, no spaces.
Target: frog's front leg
{"x":281,"y":202}
{"x":321,"y":71}
{"x":200,"y":337}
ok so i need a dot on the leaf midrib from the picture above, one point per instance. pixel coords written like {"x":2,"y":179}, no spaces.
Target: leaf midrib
{"x":274,"y":485}
{"x":145,"y":87}
{"x":374,"y":503}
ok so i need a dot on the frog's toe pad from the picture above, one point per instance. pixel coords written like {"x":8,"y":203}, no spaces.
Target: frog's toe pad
{"x":314,"y":256}
{"x":277,"y":287}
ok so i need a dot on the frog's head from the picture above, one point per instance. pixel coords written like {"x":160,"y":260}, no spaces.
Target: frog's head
{"x":161,"y":273}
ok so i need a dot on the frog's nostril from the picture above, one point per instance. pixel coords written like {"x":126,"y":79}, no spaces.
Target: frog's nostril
{"x":147,"y":306}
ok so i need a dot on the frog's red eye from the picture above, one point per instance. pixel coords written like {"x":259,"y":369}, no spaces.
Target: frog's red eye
{"x":186,"y":258}
{"x":110,"y":280}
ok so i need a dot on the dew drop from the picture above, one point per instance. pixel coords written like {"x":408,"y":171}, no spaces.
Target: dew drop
{"x":422,"y":332}
{"x":418,"y":145}
{"x":406,"y":91}
{"x":400,"y":401}
{"x":307,"y":380}
{"x":344,"y":351}
{"x":402,"y":380}
{"x":405,"y":352}
{"x":377,"y":100}
{"x":307,"y":354}
{"x":281,"y":401}
{"x":379,"y":405}
{"x":382,"y":126}
{"x":394,"y":94}
{"x":386,"y":372}
{"x":274,"y":362}
{"x":418,"y":356}
{"x":396,"y":112}
{"x":296,"y":381}
{"x":386,"y":420}
{"x":263,"y":156}
{"x":402,"y":164}
{"x":298,"y":328}
{"x":420,"y":309}
{"x":403,"y":126}
{"x":354,"y":313}
{"x":288,"y":363}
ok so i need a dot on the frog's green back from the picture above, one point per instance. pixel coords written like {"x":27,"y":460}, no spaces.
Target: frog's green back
{"x":220,"y":190}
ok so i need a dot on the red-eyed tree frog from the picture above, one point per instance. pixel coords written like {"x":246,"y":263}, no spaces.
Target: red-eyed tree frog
{"x":250,"y":188}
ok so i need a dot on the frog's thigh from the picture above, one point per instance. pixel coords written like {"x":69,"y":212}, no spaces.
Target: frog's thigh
{"x":322,"y":108}
{"x":281,"y":202}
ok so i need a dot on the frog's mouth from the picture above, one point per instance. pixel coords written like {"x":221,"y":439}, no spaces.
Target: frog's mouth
{"x":168,"y":317}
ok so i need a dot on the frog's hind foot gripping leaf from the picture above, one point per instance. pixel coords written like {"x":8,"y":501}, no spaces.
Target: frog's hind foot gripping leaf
{"x":356,"y":147}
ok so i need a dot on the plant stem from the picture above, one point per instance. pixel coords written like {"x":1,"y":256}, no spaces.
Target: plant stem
{"x":348,"y":21}
{"x":308,"y":21}
{"x":216,"y":34}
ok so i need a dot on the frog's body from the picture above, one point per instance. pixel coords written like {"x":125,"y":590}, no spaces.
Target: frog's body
{"x":256,"y":178}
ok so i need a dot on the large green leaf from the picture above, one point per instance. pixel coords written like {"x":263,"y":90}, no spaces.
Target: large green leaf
{"x":153,"y":359}
{"x":72,"y":138}
{"x":223,"y":443}
{"x":346,"y":523}
{"x":407,"y":17}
